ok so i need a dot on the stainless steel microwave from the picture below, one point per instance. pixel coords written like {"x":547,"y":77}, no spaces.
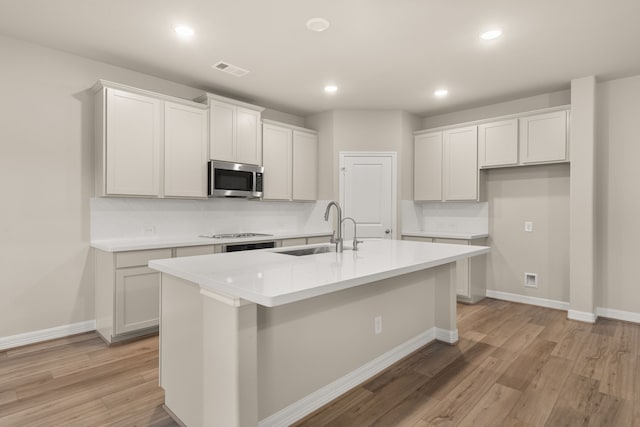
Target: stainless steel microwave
{"x":228,"y":179}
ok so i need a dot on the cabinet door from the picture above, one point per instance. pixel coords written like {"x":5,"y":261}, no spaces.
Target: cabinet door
{"x":277,"y":162}
{"x":222,"y":132}
{"x":498,"y":143}
{"x":185,"y":148}
{"x":463,"y":284}
{"x":305,"y":166}
{"x":133,"y":144}
{"x":137,"y":299}
{"x":543,"y":138}
{"x":428,"y":167}
{"x":248,"y":140}
{"x":417,"y":239}
{"x":461,"y":163}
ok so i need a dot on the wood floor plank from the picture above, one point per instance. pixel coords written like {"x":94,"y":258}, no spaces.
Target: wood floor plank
{"x":573,"y":341}
{"x":493,"y":408}
{"x":52,"y":344}
{"x":537,"y":400}
{"x":604,"y":326}
{"x":8,"y":396}
{"x":592,"y":360}
{"x":619,"y":375}
{"x":332,"y":410}
{"x":527,"y":365}
{"x":457,"y":404}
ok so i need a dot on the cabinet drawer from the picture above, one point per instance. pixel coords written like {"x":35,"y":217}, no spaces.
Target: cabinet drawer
{"x":198,"y":250}
{"x":318,"y":239}
{"x":293,"y":242}
{"x":140,"y":258}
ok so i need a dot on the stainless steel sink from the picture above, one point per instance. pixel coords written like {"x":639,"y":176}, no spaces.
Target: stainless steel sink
{"x":308,"y":251}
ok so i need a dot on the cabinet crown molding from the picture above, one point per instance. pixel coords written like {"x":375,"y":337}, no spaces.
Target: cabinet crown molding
{"x":286,"y":125}
{"x":103,"y":84}
{"x":207,"y":97}
{"x":495,"y":119}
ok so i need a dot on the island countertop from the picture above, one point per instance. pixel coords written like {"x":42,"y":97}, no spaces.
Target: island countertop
{"x":269,"y":278}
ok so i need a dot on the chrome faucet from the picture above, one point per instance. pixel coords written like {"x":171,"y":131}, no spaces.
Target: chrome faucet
{"x":337,"y":240}
{"x":355,"y":232}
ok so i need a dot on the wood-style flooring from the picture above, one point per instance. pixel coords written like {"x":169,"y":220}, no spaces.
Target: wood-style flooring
{"x":515,"y":365}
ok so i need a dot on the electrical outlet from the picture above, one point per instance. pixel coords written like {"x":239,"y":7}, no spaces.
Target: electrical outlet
{"x":528,"y":226}
{"x":149,"y":230}
{"x":377,"y":325}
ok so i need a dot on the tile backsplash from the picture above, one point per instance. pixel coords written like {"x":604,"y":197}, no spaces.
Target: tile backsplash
{"x":124,"y":218}
{"x":443,"y":217}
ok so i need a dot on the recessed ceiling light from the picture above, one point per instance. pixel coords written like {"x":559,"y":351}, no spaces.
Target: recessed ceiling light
{"x":317,"y":24}
{"x":491,"y":34}
{"x":184,"y":32}
{"x":441,"y":93}
{"x":331,"y":89}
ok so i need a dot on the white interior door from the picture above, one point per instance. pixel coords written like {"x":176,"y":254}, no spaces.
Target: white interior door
{"x":368,"y":193}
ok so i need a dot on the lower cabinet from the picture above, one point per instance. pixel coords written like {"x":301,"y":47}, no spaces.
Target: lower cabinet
{"x":471,"y":282}
{"x":137,"y":299}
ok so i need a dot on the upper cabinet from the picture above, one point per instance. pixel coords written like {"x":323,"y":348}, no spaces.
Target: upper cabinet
{"x":148,"y":144}
{"x":290,"y":160}
{"x":130,"y":137}
{"x":234,"y":130}
{"x":498,"y":143}
{"x":185,"y":147}
{"x":543,"y":138}
{"x":446,"y":165}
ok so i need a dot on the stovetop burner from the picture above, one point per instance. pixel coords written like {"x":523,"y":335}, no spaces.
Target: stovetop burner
{"x":234,"y":235}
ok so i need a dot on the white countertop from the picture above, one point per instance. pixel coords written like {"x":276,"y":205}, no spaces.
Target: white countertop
{"x":463,"y":235}
{"x":268,"y":278}
{"x":123,"y":245}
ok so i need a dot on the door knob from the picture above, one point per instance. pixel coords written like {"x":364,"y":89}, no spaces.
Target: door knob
{"x":387,"y":231}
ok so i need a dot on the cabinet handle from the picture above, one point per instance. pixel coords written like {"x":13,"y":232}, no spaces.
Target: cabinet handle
{"x":387,"y":231}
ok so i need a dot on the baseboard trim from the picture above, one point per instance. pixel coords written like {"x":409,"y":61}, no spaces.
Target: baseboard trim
{"x":46,"y":334}
{"x":525,"y":299}
{"x":326,"y":394}
{"x":611,"y":313}
{"x":446,"y":335}
{"x":582,"y":316}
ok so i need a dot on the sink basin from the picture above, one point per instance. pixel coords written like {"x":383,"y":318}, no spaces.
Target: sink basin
{"x":308,"y":251}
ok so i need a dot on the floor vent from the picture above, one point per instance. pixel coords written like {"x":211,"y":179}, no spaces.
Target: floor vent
{"x":231,"y":69}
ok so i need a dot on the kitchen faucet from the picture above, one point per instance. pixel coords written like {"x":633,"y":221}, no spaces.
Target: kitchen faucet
{"x":337,"y":240}
{"x":355,"y":232}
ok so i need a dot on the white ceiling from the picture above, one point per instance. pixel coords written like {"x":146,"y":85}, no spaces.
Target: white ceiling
{"x":382,"y":54}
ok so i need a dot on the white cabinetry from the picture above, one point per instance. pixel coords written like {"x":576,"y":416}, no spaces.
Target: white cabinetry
{"x":137,"y":299}
{"x":234,"y":130}
{"x":185,"y":148}
{"x":461,"y":163}
{"x":446,"y":165}
{"x":132,"y":136}
{"x":498,"y":143}
{"x":148,"y":144}
{"x":290,"y":160}
{"x":428,"y":166}
{"x":543,"y":138}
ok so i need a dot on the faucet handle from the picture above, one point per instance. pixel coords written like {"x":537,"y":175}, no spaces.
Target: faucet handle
{"x":355,"y":243}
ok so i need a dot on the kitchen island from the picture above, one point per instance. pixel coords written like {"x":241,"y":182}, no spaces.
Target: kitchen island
{"x":265,"y":338}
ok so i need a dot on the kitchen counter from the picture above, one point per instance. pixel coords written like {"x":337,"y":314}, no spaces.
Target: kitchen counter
{"x":463,"y":235}
{"x":269,"y":278}
{"x":143,"y":243}
{"x":240,"y":330}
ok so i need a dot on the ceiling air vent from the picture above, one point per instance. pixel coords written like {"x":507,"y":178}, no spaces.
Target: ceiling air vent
{"x":231,"y":69}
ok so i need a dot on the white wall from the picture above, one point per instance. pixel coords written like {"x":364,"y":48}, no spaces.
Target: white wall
{"x":46,"y":181}
{"x":617,"y":194}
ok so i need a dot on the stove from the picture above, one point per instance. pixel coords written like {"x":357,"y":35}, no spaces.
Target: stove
{"x":234,"y":235}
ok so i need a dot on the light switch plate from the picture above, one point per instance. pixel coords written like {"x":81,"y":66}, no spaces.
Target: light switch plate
{"x":528,"y":226}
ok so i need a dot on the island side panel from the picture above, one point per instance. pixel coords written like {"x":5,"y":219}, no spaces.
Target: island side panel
{"x":181,"y":349}
{"x":230,"y":365}
{"x":445,"y":303}
{"x":306,"y":345}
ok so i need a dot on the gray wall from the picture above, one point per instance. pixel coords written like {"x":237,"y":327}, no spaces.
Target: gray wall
{"x":618,"y":194}
{"x":46,"y":180}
